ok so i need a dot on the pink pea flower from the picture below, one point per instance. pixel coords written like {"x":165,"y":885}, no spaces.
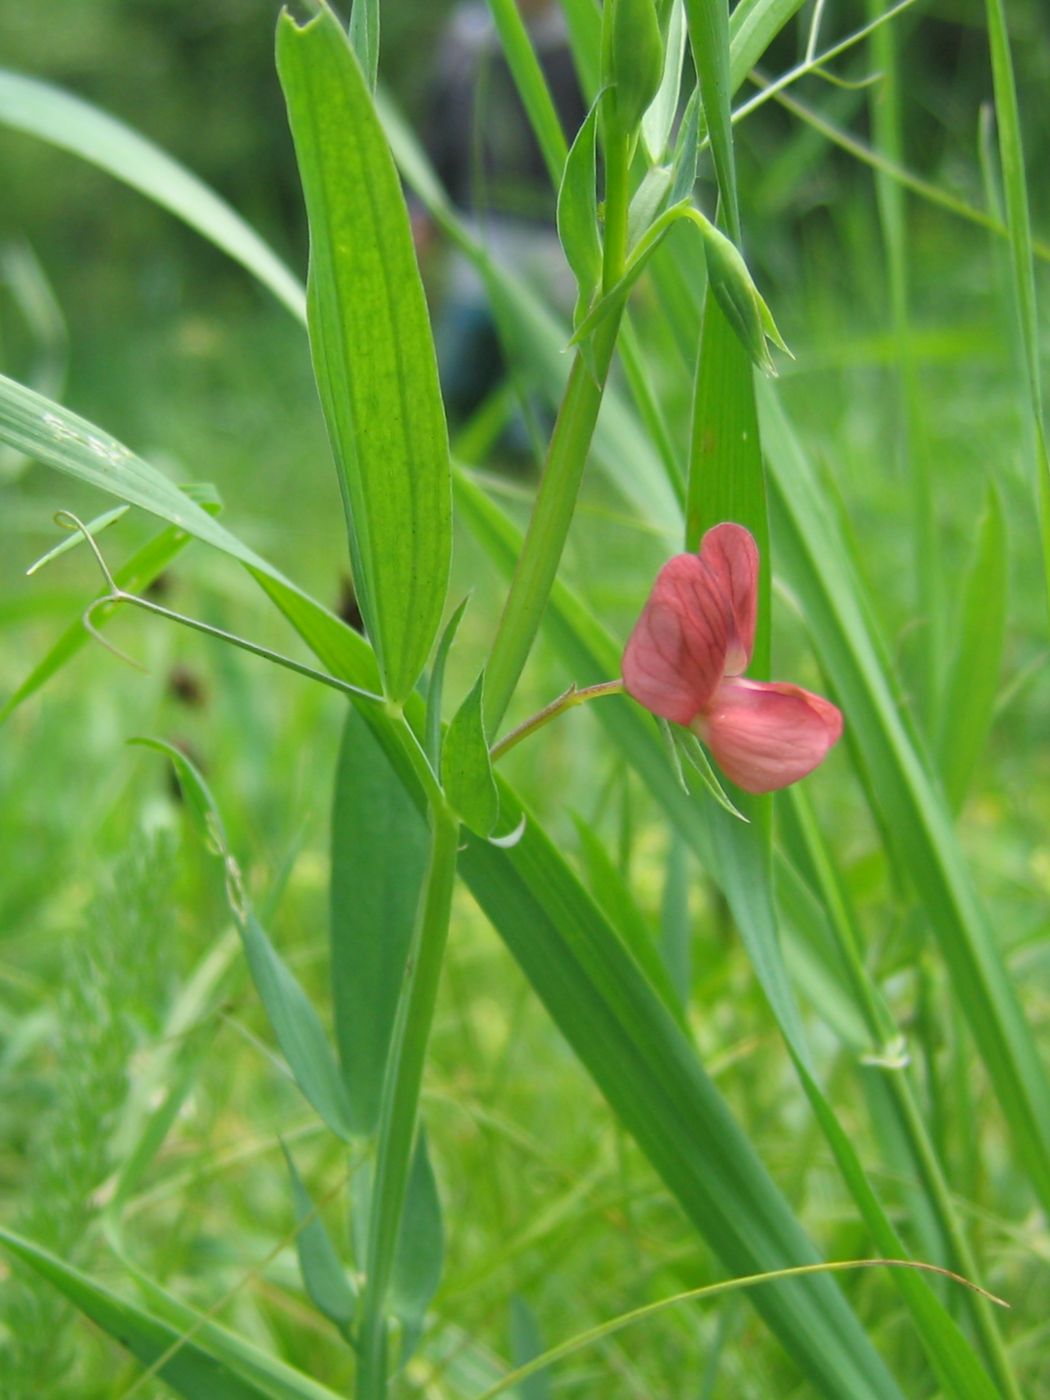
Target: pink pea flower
{"x":684,"y":659}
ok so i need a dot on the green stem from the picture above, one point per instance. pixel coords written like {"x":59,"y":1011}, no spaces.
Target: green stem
{"x":557,"y":707}
{"x":404,"y":1075}
{"x":559,"y":487}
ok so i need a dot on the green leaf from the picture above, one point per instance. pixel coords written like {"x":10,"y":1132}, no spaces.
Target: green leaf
{"x":297,"y":1030}
{"x":372,"y":348}
{"x":686,"y":151}
{"x":364,"y":36}
{"x":273,"y":1378}
{"x":1019,"y":228}
{"x":676,"y":924}
{"x":659,"y":118}
{"x":379,"y":856}
{"x":726,"y":475}
{"x":709,"y":38}
{"x":529,"y":79}
{"x":973,"y":678}
{"x":28,"y":105}
{"x":292,"y":1017}
{"x":190,"y":1368}
{"x":466,"y":768}
{"x":436,"y":686}
{"x":324,"y":1276}
{"x":578,"y":212}
{"x":637,"y":59}
{"x":420,"y":1252}
{"x":47,"y":432}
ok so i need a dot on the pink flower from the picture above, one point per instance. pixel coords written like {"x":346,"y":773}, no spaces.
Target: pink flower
{"x":684,"y":659}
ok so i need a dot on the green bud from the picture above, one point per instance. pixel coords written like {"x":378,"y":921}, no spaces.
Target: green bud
{"x":636,"y":59}
{"x":739,"y":298}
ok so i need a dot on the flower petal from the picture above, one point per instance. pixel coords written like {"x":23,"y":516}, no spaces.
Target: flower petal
{"x":765,"y":736}
{"x":730,"y":553}
{"x":675,"y":657}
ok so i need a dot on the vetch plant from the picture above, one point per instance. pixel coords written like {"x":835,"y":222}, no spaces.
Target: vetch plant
{"x":611,"y":941}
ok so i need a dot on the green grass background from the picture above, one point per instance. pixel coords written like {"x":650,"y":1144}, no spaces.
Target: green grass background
{"x":107,"y":906}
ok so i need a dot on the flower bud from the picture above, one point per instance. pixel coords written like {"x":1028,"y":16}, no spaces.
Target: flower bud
{"x":739,"y":298}
{"x":636,"y":60}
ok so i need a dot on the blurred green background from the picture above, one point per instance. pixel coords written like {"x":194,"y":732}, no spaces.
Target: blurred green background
{"x":178,"y":353}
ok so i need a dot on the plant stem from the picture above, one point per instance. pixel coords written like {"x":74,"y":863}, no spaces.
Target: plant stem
{"x":404,"y":1074}
{"x":557,"y":707}
{"x":559,"y":487}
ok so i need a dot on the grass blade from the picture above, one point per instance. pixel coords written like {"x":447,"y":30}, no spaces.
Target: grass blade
{"x":184,"y":1364}
{"x":1019,"y":230}
{"x":709,"y":38}
{"x":973,"y":678}
{"x":324,"y":1277}
{"x":47,"y":112}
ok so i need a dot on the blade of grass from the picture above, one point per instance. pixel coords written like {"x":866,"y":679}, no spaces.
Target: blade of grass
{"x":1019,"y":227}
{"x":709,"y":39}
{"x":973,"y":677}
{"x":532,"y":86}
{"x":884,"y":106}
{"x":47,"y":112}
{"x":189,"y":1367}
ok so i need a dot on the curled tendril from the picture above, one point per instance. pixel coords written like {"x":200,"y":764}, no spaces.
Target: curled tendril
{"x":66,"y":520}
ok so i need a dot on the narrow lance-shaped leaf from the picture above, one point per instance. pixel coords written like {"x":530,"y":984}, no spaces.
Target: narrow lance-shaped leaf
{"x":189,"y":1367}
{"x":659,"y":118}
{"x":291,"y":1014}
{"x":709,"y":37}
{"x":379,"y":856}
{"x":973,"y":680}
{"x":372,"y":348}
{"x":364,"y":35}
{"x":436,"y":685}
{"x":324,"y":1276}
{"x":420,"y":1248}
{"x":466,"y":768}
{"x":578,"y":213}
